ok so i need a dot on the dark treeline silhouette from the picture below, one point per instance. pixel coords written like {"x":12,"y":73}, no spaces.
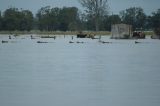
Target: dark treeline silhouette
{"x":14,"y":19}
{"x":52,"y":19}
{"x":71,"y":19}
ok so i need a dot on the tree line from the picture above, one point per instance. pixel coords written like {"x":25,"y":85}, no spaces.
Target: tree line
{"x":71,"y":19}
{"x":14,"y":19}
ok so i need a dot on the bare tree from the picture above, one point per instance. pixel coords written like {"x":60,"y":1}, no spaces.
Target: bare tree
{"x":96,"y":9}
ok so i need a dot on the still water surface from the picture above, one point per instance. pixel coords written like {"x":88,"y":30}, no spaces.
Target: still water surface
{"x":90,"y":74}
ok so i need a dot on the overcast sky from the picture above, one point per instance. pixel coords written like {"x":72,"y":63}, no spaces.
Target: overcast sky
{"x":115,"y":5}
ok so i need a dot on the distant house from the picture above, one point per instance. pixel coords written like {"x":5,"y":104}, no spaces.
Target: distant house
{"x":121,"y":31}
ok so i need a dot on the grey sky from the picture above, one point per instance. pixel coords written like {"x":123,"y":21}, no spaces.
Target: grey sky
{"x":115,"y":5}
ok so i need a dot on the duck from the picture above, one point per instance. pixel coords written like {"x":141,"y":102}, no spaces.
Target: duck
{"x":105,"y":42}
{"x":32,"y":37}
{"x":71,"y":42}
{"x":79,"y":42}
{"x":10,"y":37}
{"x":4,"y":41}
{"x":136,"y":42}
{"x":41,"y":42}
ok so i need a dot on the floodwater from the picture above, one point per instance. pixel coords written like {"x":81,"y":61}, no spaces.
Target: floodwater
{"x":59,"y":73}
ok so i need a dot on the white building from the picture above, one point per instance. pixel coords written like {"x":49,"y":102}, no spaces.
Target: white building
{"x":121,"y":31}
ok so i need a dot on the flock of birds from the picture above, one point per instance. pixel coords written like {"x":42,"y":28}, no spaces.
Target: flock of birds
{"x":54,"y":37}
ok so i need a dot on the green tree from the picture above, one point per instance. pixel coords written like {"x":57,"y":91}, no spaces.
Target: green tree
{"x":10,"y":19}
{"x":14,"y":19}
{"x":1,"y":21}
{"x":68,"y":18}
{"x":109,"y":20}
{"x":82,"y":22}
{"x":43,"y":18}
{"x":156,"y":21}
{"x":134,"y":16}
{"x":26,"y":22}
{"x":96,"y":10}
{"x":148,"y":23}
{"x":57,"y":19}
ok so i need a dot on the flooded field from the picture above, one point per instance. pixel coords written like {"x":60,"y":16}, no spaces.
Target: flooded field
{"x":82,"y":73}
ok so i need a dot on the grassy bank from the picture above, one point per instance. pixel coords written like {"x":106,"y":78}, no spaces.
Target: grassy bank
{"x":62,"y":32}
{"x":55,"y":32}
{"x":149,"y":33}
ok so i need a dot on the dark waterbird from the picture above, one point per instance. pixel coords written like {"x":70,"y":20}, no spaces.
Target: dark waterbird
{"x":4,"y":41}
{"x":136,"y":42}
{"x":41,"y":42}
{"x":104,"y":42}
{"x":71,"y":42}
{"x":79,"y":42}
{"x":10,"y":37}
{"x":32,"y":37}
